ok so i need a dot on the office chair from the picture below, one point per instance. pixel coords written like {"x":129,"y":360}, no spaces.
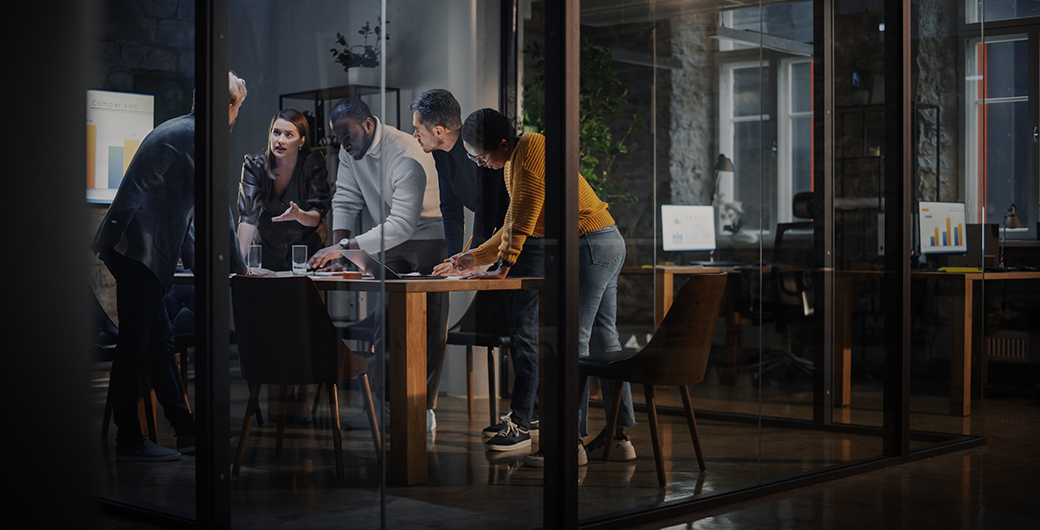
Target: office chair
{"x":677,"y":355}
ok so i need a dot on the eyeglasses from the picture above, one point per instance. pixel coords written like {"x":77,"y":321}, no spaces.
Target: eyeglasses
{"x":481,"y":161}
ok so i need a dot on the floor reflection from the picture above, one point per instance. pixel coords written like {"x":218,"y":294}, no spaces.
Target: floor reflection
{"x":469,"y":487}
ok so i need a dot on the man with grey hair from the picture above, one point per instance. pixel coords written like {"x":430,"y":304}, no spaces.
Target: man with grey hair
{"x":148,"y":227}
{"x":437,"y":118}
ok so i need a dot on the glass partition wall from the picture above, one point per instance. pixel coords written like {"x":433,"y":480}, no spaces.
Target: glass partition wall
{"x":762,"y":142}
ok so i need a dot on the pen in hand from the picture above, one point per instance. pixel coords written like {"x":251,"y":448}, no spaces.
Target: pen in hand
{"x":464,"y":249}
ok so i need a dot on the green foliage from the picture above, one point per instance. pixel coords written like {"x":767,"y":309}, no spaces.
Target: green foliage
{"x":364,"y":55}
{"x":601,"y":100}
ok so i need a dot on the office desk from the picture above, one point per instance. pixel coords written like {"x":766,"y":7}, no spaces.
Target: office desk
{"x":406,"y":348}
{"x":960,"y":328}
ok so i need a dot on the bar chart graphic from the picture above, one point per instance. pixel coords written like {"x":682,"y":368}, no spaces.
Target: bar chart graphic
{"x":116,"y":124}
{"x":942,"y":227}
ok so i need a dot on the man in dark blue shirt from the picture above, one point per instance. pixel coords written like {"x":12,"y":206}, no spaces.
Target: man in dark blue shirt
{"x":437,"y":118}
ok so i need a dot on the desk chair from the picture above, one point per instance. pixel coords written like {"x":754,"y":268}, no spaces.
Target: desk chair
{"x":286,"y":337}
{"x":677,"y":355}
{"x":793,"y":294}
{"x":103,"y":345}
{"x":483,"y":324}
{"x":180,"y":307}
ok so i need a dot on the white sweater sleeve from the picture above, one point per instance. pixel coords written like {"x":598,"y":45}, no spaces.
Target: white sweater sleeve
{"x":348,"y":200}
{"x":408,"y":182}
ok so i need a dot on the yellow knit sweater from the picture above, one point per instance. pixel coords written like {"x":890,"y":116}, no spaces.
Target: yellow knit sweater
{"x":525,"y":181}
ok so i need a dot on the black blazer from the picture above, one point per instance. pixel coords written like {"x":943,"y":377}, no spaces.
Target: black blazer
{"x":151,"y":219}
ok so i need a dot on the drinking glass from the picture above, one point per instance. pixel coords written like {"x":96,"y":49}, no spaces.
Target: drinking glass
{"x":254,"y":257}
{"x":299,"y":259}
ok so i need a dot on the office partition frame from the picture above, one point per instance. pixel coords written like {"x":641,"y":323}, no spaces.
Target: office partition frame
{"x":559,"y":342}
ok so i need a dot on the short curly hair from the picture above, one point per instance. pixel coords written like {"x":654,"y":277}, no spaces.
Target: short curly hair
{"x":486,"y":128}
{"x":350,"y":108}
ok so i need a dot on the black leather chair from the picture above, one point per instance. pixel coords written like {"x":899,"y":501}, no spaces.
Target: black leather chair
{"x":286,"y":337}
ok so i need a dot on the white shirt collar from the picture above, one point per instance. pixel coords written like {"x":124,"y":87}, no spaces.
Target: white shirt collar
{"x":376,"y":147}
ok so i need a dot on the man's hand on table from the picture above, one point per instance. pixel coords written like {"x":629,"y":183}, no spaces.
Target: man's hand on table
{"x":328,"y":259}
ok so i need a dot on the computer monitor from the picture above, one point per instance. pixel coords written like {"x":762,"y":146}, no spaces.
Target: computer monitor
{"x":686,"y":227}
{"x":116,"y":124}
{"x":942,"y":227}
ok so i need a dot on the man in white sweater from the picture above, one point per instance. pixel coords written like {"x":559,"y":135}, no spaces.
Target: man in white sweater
{"x":407,"y":209}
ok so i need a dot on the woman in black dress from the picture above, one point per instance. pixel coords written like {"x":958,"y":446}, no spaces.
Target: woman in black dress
{"x":284,"y":194}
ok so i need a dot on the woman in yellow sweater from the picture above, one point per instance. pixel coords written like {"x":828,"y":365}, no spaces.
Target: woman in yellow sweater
{"x":491,"y":142}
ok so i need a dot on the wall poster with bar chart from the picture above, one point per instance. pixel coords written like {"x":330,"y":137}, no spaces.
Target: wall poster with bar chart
{"x":116,"y":124}
{"x":942,"y":227}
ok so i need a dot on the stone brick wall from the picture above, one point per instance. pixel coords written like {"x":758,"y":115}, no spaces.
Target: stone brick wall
{"x":148,"y":47}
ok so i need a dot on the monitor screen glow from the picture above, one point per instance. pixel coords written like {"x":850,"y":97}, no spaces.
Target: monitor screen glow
{"x":686,"y":227}
{"x":117,"y":122}
{"x":942,"y":227}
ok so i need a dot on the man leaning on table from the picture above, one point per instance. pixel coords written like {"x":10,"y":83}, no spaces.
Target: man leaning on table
{"x":148,"y":227}
{"x":437,"y":118}
{"x":411,"y":228}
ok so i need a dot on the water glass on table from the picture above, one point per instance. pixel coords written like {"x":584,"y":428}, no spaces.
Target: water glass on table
{"x":299,"y":259}
{"x":254,"y":257}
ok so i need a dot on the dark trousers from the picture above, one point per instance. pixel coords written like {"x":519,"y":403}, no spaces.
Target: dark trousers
{"x":422,"y":255}
{"x":522,"y":317}
{"x":143,"y":348}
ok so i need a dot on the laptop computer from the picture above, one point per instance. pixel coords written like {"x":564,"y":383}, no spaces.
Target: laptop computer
{"x":370,"y":265}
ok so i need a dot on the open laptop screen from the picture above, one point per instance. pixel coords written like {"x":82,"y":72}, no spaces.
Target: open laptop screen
{"x":687,"y":227}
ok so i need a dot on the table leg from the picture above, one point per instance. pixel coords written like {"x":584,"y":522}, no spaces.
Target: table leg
{"x":842,"y":340}
{"x":664,"y":287}
{"x":960,"y":354}
{"x":733,"y":339}
{"x":407,"y":389}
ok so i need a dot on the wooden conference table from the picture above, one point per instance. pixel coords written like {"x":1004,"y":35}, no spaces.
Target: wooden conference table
{"x":961,"y":329}
{"x":406,"y":348}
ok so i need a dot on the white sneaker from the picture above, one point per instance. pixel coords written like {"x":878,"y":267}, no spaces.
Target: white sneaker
{"x":623,"y":451}
{"x":431,"y":420}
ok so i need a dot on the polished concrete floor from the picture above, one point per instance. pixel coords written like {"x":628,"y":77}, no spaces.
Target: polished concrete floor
{"x":989,"y":487}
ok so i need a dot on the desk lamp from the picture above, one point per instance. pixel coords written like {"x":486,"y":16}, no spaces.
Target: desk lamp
{"x":1010,"y":221}
{"x":721,"y":164}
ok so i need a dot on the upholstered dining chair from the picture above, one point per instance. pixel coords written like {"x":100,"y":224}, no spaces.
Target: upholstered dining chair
{"x":286,"y":337}
{"x":677,"y":355}
{"x":483,"y":325}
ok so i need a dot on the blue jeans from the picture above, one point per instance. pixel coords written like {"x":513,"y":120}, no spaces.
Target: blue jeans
{"x":522,"y":317}
{"x":600,"y":257}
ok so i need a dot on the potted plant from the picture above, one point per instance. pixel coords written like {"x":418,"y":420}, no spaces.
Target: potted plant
{"x":602,"y":98}
{"x":353,"y":57}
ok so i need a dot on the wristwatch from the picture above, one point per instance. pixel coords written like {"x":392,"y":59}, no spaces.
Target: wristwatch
{"x":502,"y":262}
{"x":344,"y":243}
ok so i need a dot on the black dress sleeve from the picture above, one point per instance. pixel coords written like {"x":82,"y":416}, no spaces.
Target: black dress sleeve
{"x":319,"y":194}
